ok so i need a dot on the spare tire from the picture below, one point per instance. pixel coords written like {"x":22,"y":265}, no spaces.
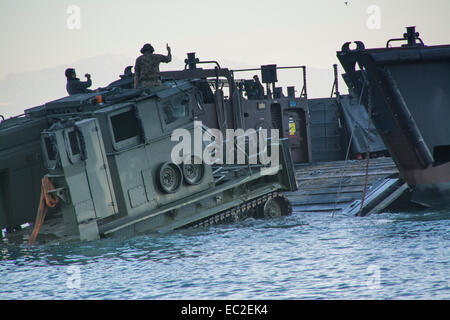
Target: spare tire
{"x":170,"y":177}
{"x":193,"y":173}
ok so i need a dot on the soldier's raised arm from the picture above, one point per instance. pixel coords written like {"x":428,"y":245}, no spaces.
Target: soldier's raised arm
{"x":167,"y":58}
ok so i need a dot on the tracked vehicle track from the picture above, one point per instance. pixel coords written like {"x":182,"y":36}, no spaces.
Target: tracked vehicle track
{"x":253,"y":208}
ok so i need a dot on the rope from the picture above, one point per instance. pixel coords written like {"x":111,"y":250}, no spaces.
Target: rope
{"x":343,"y":172}
{"x":347,"y":154}
{"x":369,"y":112}
{"x":46,"y":201}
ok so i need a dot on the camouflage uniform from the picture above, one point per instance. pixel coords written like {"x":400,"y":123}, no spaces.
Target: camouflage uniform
{"x":147,"y":68}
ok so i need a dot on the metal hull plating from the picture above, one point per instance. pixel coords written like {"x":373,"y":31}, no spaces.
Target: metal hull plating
{"x":407,"y":92}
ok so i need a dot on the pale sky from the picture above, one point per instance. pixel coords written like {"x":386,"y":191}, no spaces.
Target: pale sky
{"x":34,"y":34}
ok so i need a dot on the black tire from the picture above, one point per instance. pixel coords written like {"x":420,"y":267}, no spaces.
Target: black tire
{"x":170,"y":177}
{"x":193,"y":173}
{"x":275,"y":207}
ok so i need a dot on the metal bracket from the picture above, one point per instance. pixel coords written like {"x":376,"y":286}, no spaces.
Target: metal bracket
{"x":60,"y":193}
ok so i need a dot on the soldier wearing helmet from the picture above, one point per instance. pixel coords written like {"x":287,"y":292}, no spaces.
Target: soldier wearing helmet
{"x":74,"y":85}
{"x":147,"y":67}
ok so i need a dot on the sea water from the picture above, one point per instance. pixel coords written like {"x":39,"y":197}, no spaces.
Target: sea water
{"x":303,"y":256}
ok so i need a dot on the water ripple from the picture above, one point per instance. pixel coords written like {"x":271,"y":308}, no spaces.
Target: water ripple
{"x":304,"y":256}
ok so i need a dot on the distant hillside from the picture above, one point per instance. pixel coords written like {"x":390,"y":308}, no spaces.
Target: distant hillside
{"x":24,"y":90}
{"x":21,"y":91}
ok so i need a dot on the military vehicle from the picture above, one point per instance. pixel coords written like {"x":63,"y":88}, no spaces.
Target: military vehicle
{"x":323,"y":133}
{"x":406,"y":90}
{"x":107,"y":162}
{"x":318,"y":130}
{"x":108,"y":154}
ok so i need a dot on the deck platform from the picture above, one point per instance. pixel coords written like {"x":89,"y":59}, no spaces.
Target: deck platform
{"x":330,"y":187}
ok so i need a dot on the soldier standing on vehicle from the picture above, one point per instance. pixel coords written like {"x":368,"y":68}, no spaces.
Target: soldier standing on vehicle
{"x":259,"y":87}
{"x":74,"y":85}
{"x":147,"y":67}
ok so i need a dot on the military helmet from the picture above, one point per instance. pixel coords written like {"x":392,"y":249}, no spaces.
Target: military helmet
{"x":69,"y":72}
{"x":147,"y":47}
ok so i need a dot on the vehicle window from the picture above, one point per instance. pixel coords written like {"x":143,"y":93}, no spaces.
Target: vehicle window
{"x":175,"y":108}
{"x":125,"y":126}
{"x":50,"y":149}
{"x":74,"y":143}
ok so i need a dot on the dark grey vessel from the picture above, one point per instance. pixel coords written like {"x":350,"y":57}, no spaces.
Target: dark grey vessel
{"x":406,"y":90}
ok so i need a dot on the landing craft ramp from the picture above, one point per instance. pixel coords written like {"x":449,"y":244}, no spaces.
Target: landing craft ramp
{"x":334,"y":186}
